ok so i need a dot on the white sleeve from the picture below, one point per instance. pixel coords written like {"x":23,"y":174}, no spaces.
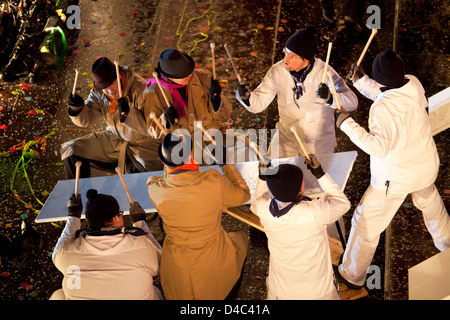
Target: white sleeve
{"x":73,"y":224}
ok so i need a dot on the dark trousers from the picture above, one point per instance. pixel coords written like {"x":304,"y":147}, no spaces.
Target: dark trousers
{"x":352,"y":8}
{"x":85,"y":169}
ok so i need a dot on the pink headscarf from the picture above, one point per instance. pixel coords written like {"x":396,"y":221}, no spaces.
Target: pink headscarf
{"x":179,"y":104}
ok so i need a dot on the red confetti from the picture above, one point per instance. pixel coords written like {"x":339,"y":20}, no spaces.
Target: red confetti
{"x":3,"y":127}
{"x":25,"y":87}
{"x":198,"y":66}
{"x":147,"y":75}
{"x":122,"y":34}
{"x":37,"y":138}
{"x":17,"y":196}
{"x":23,"y":284}
{"x":202,"y":10}
{"x":13,"y":149}
{"x":134,"y":13}
{"x":86,"y":41}
{"x":5,"y":274}
{"x":223,"y":85}
{"x":283,"y":20}
{"x":31,"y":112}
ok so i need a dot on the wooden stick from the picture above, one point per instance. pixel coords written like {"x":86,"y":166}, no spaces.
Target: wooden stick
{"x":118,"y":78}
{"x":334,"y":91}
{"x":199,"y":125}
{"x":258,"y":152}
{"x":374,"y":31}
{"x":77,"y":72}
{"x":213,"y":60}
{"x":232,"y":63}
{"x":77,"y":175}
{"x":326,"y":63}
{"x":155,"y":75}
{"x":300,"y":143}
{"x":124,"y":185}
{"x":158,"y":123}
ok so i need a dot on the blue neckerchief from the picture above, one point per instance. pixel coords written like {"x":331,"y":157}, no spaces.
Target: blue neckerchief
{"x":299,"y":77}
{"x":99,"y":232}
{"x":276,"y":212}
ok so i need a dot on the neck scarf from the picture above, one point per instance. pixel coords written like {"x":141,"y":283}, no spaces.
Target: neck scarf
{"x":299,"y":77}
{"x":188,"y":166}
{"x":178,"y":101}
{"x":277,"y":212}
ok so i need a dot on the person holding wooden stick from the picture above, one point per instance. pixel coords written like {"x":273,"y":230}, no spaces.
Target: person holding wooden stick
{"x":182,"y":94}
{"x":112,"y":262}
{"x":403,"y":160}
{"x":126,"y":140}
{"x":304,"y":101}
{"x":300,"y":265}
{"x":200,"y":260}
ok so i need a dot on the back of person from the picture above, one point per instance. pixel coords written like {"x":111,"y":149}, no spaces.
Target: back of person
{"x":410,"y":145}
{"x":300,"y":263}
{"x":113,"y":267}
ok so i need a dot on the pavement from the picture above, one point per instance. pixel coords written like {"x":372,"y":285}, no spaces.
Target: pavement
{"x":135,"y":33}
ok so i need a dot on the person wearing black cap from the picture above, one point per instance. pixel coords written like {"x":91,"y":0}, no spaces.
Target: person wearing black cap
{"x":200,"y":260}
{"x":303,"y":100}
{"x":403,"y":160}
{"x":125,"y":139}
{"x":192,"y":92}
{"x":300,"y":266}
{"x":105,"y":260}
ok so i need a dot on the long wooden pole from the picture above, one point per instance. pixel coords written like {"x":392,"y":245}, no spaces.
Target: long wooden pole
{"x":77,"y":175}
{"x":77,"y":72}
{"x":119,"y":85}
{"x":155,"y":75}
{"x":158,"y":123}
{"x":300,"y":143}
{"x":213,"y":60}
{"x":232,"y":63}
{"x":374,"y":32}
{"x":334,"y":91}
{"x":326,"y":62}
{"x":124,"y":184}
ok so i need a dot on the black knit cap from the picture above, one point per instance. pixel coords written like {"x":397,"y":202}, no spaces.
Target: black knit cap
{"x":286,"y":183}
{"x":100,"y":208}
{"x":388,"y":69}
{"x":104,"y":73}
{"x":174,"y":64}
{"x":304,"y":42}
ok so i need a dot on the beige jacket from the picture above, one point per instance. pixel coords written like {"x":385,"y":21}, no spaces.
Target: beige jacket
{"x":200,"y":260}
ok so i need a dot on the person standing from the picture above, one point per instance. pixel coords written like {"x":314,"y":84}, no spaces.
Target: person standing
{"x":303,"y":100}
{"x":300,"y":266}
{"x":403,"y":160}
{"x":200,"y":260}
{"x":125,"y":138}
{"x":105,"y":260}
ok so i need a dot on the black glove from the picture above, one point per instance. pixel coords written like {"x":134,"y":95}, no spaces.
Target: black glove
{"x":314,"y":166}
{"x":358,"y":71}
{"x":75,"y":206}
{"x":244,"y":90}
{"x":136,"y":212}
{"x":324,"y":93}
{"x":171,"y":115}
{"x":341,"y":116}
{"x":75,"y":101}
{"x":124,"y":108}
{"x":214,"y":91}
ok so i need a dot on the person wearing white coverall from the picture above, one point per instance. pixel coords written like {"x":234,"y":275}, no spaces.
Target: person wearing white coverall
{"x":300,"y":264}
{"x":105,"y":260}
{"x":403,"y":160}
{"x":303,"y":101}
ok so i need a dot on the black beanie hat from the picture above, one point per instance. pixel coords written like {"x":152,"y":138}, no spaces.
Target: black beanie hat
{"x":100,"y":208}
{"x":304,"y":42}
{"x":388,"y":69}
{"x":174,"y":64}
{"x":173,"y":149}
{"x":286,"y":183}
{"x":104,"y":73}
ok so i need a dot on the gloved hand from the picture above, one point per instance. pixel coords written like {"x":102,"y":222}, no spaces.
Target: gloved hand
{"x":314,"y":166}
{"x":243,"y":90}
{"x":136,"y":212}
{"x":324,"y":93}
{"x":75,"y":101}
{"x":75,"y":205}
{"x":341,"y":116}
{"x":358,"y":71}
{"x":124,"y":108}
{"x":171,"y":115}
{"x":264,"y":168}
{"x":215,"y":90}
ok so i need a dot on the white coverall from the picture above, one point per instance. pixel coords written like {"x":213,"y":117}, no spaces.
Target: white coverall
{"x":403,"y":160}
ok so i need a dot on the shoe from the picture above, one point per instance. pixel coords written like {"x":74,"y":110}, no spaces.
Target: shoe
{"x":341,"y":279}
{"x":357,"y":24}
{"x":328,"y":15}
